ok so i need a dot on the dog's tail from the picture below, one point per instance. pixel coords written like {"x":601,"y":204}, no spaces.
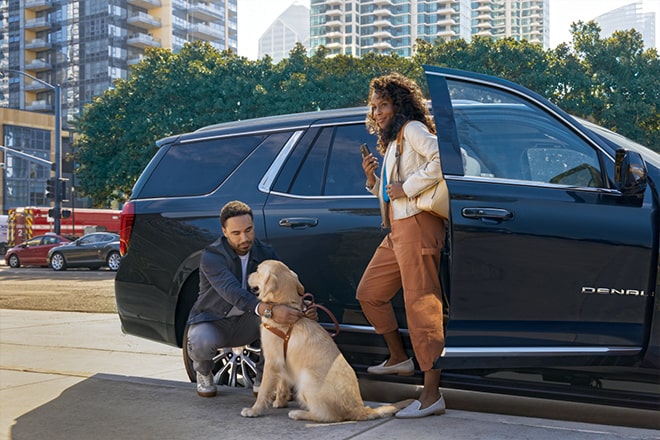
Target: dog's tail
{"x":385,"y":410}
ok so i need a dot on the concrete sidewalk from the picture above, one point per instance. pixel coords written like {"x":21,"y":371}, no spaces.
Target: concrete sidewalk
{"x":76,"y":376}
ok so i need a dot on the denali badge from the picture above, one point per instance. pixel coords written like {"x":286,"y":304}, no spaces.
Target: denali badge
{"x":608,"y":291}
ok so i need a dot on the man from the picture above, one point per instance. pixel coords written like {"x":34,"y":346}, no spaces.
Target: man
{"x":226,"y":313}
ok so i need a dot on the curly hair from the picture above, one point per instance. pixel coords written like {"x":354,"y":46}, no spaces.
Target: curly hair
{"x":409,"y":105}
{"x":235,"y":208}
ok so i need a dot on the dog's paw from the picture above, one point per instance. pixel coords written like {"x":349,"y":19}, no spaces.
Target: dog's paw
{"x":279,"y":403}
{"x":250,"y":412}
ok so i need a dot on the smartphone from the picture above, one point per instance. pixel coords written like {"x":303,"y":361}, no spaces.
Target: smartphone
{"x":365,"y":150}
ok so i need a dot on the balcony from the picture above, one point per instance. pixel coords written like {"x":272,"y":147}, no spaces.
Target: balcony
{"x":333,"y":45}
{"x":383,"y":45}
{"x":382,"y":13}
{"x":146,"y":4}
{"x":382,"y":34}
{"x":206,"y":12}
{"x":38,"y":65}
{"x":133,"y":60}
{"x":38,"y":24}
{"x":36,"y":87}
{"x":38,"y":5}
{"x":382,"y":23}
{"x":39,"y":106}
{"x":333,"y":2}
{"x":205,"y":32}
{"x":143,"y":40}
{"x":383,"y":2}
{"x":144,"y":21}
{"x":333,"y":13}
{"x":334,"y":22}
{"x":37,"y":45}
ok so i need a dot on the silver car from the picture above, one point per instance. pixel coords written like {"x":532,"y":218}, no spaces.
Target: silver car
{"x":92,"y":250}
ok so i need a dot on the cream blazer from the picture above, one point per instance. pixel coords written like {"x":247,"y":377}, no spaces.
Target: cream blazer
{"x":418,"y":168}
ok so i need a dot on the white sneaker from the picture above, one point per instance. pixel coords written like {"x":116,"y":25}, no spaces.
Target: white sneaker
{"x":206,"y":386}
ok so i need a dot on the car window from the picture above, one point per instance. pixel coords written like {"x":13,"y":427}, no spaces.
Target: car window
{"x":197,"y":168}
{"x":332,"y":165}
{"x":33,"y":242}
{"x":502,"y":136}
{"x":51,"y":240}
{"x":89,"y":239}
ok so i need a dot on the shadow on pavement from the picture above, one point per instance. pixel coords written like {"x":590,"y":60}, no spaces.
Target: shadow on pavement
{"x":109,"y":407}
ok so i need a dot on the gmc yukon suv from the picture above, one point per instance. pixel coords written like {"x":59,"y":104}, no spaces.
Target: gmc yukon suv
{"x":550,"y":269}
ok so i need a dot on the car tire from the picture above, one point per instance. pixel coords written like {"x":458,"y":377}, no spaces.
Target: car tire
{"x":14,"y":262}
{"x":57,"y":262}
{"x":113,"y":261}
{"x":232,"y":366}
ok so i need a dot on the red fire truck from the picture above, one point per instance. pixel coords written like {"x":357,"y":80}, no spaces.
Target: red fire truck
{"x":28,"y":222}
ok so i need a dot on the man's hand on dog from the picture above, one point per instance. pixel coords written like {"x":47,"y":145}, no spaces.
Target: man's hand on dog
{"x":284,"y":314}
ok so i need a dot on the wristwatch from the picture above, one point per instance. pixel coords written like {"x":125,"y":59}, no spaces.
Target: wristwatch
{"x":268,"y":313}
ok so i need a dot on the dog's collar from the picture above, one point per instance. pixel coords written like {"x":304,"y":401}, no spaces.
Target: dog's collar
{"x":277,"y":332}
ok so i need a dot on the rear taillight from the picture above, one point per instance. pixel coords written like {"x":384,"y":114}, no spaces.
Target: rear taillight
{"x":126,"y":228}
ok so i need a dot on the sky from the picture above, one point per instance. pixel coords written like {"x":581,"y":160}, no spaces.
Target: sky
{"x":255,"y":16}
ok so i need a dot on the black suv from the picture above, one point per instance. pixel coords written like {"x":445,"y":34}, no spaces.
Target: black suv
{"x":551,"y":259}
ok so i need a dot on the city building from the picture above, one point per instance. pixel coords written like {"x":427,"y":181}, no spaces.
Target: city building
{"x":631,"y":16}
{"x":356,"y":27}
{"x":291,"y":27}
{"x":520,"y":20}
{"x":83,"y":46}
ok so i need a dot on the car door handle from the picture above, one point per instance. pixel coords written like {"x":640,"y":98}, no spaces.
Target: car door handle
{"x":487,"y":213}
{"x":299,"y":222}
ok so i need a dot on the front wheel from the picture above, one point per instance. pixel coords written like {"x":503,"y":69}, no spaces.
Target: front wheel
{"x":232,"y":366}
{"x":57,"y":262}
{"x":14,"y":262}
{"x":113,"y":261}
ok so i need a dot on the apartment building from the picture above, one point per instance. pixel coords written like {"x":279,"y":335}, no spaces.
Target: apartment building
{"x":86,"y":45}
{"x":83,"y":46}
{"x":355,"y":27}
{"x":631,"y":16}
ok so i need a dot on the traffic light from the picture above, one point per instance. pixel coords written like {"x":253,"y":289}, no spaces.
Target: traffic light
{"x":51,"y":188}
{"x":62,"y":189}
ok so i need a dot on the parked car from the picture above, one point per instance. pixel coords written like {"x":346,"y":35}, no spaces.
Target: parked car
{"x":550,"y":268}
{"x":92,"y":250}
{"x":33,"y":252}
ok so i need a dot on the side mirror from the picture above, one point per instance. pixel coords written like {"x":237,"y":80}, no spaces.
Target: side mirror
{"x":630,"y":175}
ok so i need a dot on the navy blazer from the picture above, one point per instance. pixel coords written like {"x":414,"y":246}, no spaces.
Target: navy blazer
{"x":220,"y":278}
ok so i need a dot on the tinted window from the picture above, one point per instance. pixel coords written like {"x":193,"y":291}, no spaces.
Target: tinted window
{"x":505,"y":137}
{"x":197,"y":168}
{"x":332,"y":165}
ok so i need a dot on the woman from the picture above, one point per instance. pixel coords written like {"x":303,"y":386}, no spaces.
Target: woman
{"x":409,"y":256}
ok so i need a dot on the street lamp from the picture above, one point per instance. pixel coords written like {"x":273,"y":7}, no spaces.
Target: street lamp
{"x":57,"y":211}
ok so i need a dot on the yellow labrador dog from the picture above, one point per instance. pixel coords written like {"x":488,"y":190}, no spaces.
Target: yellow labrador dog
{"x":305,"y":356}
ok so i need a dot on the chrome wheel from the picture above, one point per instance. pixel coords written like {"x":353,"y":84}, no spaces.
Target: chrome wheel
{"x":113,"y":261}
{"x":57,"y":262}
{"x":237,"y":366}
{"x":232,"y":366}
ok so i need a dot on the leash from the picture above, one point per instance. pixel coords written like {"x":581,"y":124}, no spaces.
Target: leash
{"x":312,"y":304}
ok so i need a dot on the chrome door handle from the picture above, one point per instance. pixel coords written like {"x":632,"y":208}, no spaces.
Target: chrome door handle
{"x":487,"y":213}
{"x":299,"y":222}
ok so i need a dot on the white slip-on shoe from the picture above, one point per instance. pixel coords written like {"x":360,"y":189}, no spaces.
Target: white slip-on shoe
{"x":405,"y":368}
{"x":413,"y":410}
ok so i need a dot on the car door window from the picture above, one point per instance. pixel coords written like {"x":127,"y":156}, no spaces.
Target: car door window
{"x":505,"y":137}
{"x":51,"y":240}
{"x":333,"y":165}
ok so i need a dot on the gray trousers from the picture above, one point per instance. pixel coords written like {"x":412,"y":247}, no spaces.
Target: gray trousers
{"x":205,"y":338}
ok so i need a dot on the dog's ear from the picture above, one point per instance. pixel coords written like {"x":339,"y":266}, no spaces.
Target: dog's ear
{"x":270,"y":282}
{"x":299,"y":287}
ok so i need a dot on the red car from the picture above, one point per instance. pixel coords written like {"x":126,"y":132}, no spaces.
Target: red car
{"x":34,"y":252}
